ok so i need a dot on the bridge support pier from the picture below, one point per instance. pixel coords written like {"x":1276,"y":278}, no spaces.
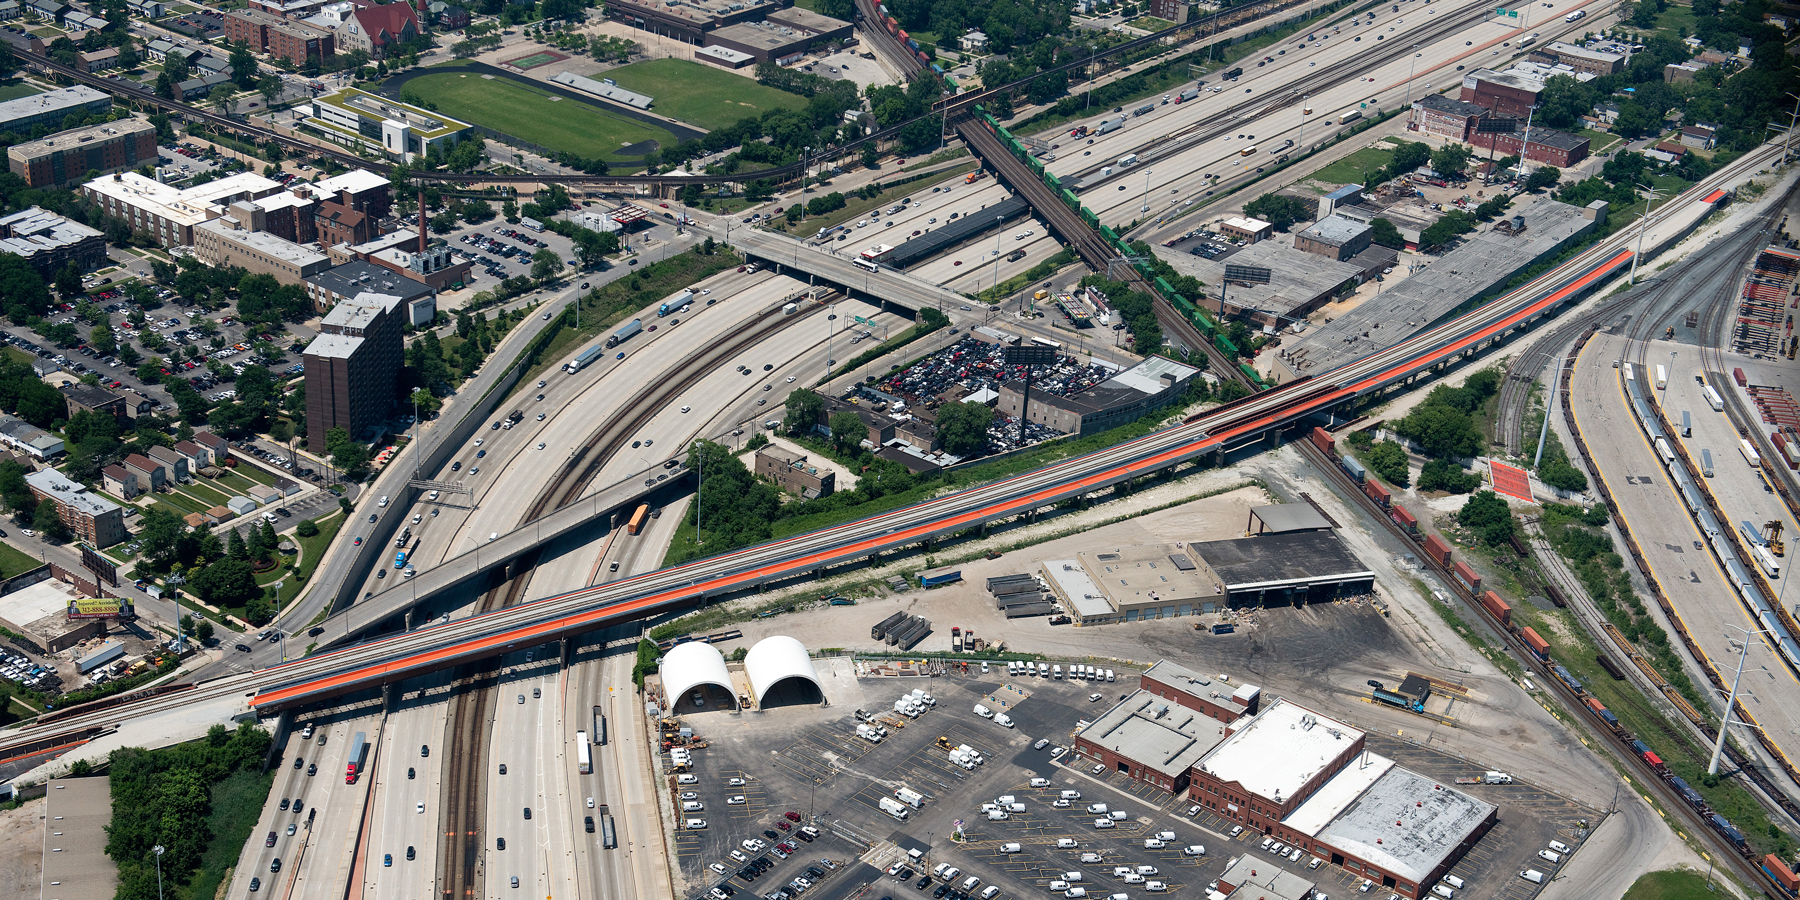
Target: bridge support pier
{"x":1122,"y":489}
{"x":388,"y":696}
{"x":982,"y":529}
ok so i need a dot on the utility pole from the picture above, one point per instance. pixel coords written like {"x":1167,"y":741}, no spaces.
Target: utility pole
{"x":1643,"y":224}
{"x":1725,"y":723}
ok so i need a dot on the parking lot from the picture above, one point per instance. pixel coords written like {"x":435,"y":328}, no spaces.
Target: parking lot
{"x":813,"y":763}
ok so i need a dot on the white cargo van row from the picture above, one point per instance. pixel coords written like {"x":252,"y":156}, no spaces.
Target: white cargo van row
{"x":1076,"y":672}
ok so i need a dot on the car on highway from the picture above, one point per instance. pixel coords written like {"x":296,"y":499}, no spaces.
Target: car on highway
{"x":387,"y":859}
{"x":499,"y":843}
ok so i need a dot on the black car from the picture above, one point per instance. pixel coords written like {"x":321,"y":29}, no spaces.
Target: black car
{"x":298,"y":762}
{"x":499,"y":843}
{"x":942,"y":889}
{"x":771,"y":835}
{"x":814,"y":872}
{"x":923,"y":882}
{"x":803,"y":836}
{"x":312,"y":769}
{"x":590,"y":824}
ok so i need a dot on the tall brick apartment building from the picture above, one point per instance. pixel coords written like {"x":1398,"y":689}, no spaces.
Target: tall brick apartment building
{"x":66,"y":157}
{"x":352,"y":365}
{"x":281,"y":38}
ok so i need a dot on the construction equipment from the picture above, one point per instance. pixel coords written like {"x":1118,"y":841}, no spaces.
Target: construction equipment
{"x":1772,"y":534}
{"x":943,"y":743}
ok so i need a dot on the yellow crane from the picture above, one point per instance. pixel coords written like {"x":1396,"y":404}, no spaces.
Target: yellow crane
{"x":1772,"y":534}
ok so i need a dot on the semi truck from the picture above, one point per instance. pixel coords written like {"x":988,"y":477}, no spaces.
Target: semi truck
{"x":581,"y":360}
{"x":1111,"y":125}
{"x":674,"y":303}
{"x":608,"y":839}
{"x":400,"y":560}
{"x":1192,"y":93}
{"x":359,"y":758}
{"x":625,"y":333}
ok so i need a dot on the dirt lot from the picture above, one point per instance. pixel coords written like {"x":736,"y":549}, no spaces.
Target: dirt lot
{"x":22,"y":849}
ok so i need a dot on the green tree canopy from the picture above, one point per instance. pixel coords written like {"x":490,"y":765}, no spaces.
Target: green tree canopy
{"x":964,"y":427}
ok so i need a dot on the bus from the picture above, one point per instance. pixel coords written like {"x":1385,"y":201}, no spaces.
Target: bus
{"x":865,"y":264}
{"x":637,"y":519}
{"x":581,"y":752}
{"x":1046,"y":342}
{"x":599,"y":727}
{"x":1348,"y":117}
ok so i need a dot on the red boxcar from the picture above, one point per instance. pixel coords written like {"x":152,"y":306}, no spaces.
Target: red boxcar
{"x":1781,"y":873}
{"x":1404,"y":519}
{"x":1737,"y":375}
{"x":1537,"y":644}
{"x":1377,"y":493}
{"x":1323,"y":440}
{"x":1438,"y":550}
{"x":1497,"y":607}
{"x":1467,"y":576}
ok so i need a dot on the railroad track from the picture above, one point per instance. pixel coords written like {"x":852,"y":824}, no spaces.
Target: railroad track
{"x":1571,"y":701}
{"x":1651,"y":294}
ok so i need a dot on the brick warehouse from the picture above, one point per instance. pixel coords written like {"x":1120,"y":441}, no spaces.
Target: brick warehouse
{"x":1288,"y":773}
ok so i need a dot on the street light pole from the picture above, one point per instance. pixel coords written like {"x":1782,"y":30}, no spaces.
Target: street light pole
{"x":1712,"y":767}
{"x":158,"y":851}
{"x":1409,"y":74}
{"x":1643,"y":224}
{"x":999,"y":226}
{"x":1146,"y":207}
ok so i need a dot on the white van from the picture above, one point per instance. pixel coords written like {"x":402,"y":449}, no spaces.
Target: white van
{"x":1443,"y":891}
{"x":1003,"y":721}
{"x":1075,"y":893}
{"x":988,"y":892}
{"x":1056,"y":671}
{"x":1550,"y":856}
{"x":1040,"y":782}
{"x":1098,"y":808}
{"x":1012,"y":668}
{"x":983,"y":711}
{"x":1532,"y":875}
{"x":692,"y":806}
{"x":687,"y":779}
{"x":1453,"y":881}
{"x":1031,"y":669}
{"x":1156,"y":886}
{"x":1010,"y":848}
{"x":1070,"y":795}
{"x":1558,"y":846}
{"x":970,"y":882}
{"x":1073,"y":877}
{"x":997,"y":815}
{"x":1132,"y":878}
{"x":1109,"y":675}
{"x":1058,"y":885}
{"x":1066,"y":844}
{"x":1104,"y":823}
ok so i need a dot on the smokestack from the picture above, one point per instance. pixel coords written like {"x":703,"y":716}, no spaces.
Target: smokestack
{"x":421,"y":221}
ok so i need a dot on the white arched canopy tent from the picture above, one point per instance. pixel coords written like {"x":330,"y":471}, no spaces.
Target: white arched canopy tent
{"x":782,"y":662}
{"x":691,"y":665}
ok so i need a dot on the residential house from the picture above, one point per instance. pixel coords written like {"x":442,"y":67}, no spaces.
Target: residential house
{"x":375,"y":29}
{"x":176,"y":461}
{"x":150,"y":472}
{"x":80,"y":396}
{"x":96,"y":60}
{"x":38,"y":443}
{"x":1698,"y":137}
{"x":120,"y":481}
{"x":217,"y":446}
{"x":10,"y":10}
{"x":287,"y":487}
{"x":198,"y":457}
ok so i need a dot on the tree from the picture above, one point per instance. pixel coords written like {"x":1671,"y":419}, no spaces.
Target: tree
{"x":8,"y":63}
{"x":1277,"y":210}
{"x":307,"y":529}
{"x":803,"y":411}
{"x":1441,"y":431}
{"x":221,"y":96}
{"x":243,"y":66}
{"x":870,"y":156}
{"x":1388,"y":460}
{"x":1447,"y":476}
{"x":847,"y":430}
{"x":964,"y":427}
{"x":1488,"y":516}
{"x":270,"y":88}
{"x":128,"y":54}
{"x":546,"y":264}
{"x":1450,"y":159}
{"x":235,"y":546}
{"x":49,"y":520}
{"x":1386,"y":235}
{"x":22,"y":288}
{"x":1543,"y":177}
{"x":228,"y":582}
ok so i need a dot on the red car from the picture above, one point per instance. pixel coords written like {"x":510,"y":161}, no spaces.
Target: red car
{"x":783,"y":825}
{"x":792,"y":816}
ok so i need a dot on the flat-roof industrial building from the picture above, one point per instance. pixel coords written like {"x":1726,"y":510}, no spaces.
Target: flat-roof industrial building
{"x":1292,"y":556}
{"x":1290,"y":773}
{"x":1475,"y":268}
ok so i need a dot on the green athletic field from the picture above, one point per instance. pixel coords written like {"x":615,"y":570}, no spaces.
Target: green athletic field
{"x":530,"y":115}
{"x":17,"y":89}
{"x":700,"y":94}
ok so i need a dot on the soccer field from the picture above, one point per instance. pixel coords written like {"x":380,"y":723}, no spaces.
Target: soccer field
{"x":541,"y":118}
{"x":699,"y":94}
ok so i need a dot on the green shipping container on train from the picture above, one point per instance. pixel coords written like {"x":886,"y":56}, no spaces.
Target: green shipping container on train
{"x":1053,"y":183}
{"x":1225,"y":346}
{"x":1163,"y":285}
{"x":1087,"y":215}
{"x":1111,"y":237}
{"x":1037,"y":165}
{"x":1255,"y":379}
{"x":1068,"y":197}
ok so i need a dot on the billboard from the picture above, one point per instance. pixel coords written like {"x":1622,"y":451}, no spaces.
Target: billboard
{"x":104,"y":569}
{"x":100,"y":608}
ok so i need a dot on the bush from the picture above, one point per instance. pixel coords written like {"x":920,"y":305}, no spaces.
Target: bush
{"x":1388,"y":460}
{"x":1447,"y":476}
{"x":307,"y":529}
